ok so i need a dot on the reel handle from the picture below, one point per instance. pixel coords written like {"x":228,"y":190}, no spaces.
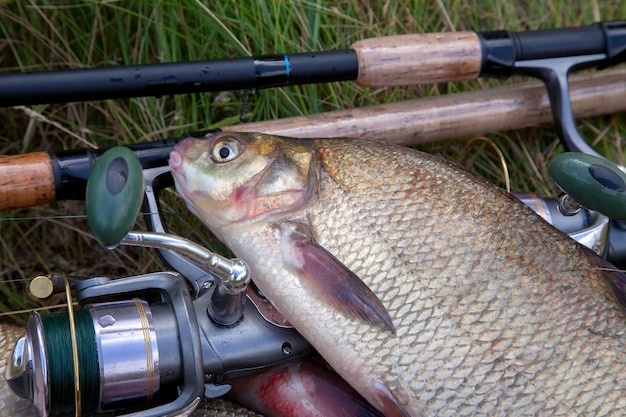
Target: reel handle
{"x":592,"y":181}
{"x":114,"y":195}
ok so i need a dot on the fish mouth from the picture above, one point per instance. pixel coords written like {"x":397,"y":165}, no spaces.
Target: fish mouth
{"x":176,"y":166}
{"x":176,"y":157}
{"x":176,"y":162}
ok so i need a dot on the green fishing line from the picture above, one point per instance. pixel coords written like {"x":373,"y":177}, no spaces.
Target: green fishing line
{"x":56,"y":329}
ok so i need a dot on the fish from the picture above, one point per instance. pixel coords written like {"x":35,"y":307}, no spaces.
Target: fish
{"x":430,"y":290}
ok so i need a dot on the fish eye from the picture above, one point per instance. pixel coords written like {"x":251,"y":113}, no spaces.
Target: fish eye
{"x":225,"y":149}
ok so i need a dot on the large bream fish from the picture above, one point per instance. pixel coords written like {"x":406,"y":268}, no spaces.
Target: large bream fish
{"x":428,"y":289}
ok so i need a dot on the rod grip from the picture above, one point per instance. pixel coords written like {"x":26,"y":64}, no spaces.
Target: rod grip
{"x":418,"y":59}
{"x":26,"y":180}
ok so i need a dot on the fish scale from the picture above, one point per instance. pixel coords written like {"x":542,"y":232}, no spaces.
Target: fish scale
{"x":495,"y":312}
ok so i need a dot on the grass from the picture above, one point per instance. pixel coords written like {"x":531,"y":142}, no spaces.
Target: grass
{"x":49,"y":35}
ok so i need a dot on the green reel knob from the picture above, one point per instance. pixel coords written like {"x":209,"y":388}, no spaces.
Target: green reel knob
{"x":114,"y":195}
{"x":592,"y":181}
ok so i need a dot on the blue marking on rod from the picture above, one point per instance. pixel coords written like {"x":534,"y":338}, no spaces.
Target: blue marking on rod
{"x":287,"y":69}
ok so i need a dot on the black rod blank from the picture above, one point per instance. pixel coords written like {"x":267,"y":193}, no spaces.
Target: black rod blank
{"x":176,"y":78}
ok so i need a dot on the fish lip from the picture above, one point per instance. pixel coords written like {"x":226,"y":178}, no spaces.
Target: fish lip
{"x":175,"y":160}
{"x":180,"y":145}
{"x":177,"y":154}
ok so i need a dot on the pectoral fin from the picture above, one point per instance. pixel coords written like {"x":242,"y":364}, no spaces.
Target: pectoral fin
{"x":328,"y":278}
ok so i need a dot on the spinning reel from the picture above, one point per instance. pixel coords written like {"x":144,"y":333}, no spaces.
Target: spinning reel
{"x":148,"y":345}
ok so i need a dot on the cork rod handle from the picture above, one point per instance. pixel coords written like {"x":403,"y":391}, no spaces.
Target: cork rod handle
{"x":418,"y":59}
{"x":26,"y":180}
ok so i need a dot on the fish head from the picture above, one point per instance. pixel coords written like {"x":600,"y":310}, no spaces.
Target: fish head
{"x":237,"y":178}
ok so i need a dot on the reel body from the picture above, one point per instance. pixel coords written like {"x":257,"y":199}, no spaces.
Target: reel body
{"x":145,"y":349}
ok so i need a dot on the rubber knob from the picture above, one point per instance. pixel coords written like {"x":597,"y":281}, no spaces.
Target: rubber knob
{"x":594,"y":182}
{"x":114,"y":195}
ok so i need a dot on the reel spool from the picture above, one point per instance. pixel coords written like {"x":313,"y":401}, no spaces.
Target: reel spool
{"x":129,"y":355}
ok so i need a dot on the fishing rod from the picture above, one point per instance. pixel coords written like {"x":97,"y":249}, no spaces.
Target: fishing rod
{"x":44,"y":177}
{"x":386,"y":61}
{"x":549,"y":55}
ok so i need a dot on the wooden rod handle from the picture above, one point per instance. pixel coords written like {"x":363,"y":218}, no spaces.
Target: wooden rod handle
{"x":418,"y":59}
{"x":455,"y":115}
{"x":26,"y":180}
